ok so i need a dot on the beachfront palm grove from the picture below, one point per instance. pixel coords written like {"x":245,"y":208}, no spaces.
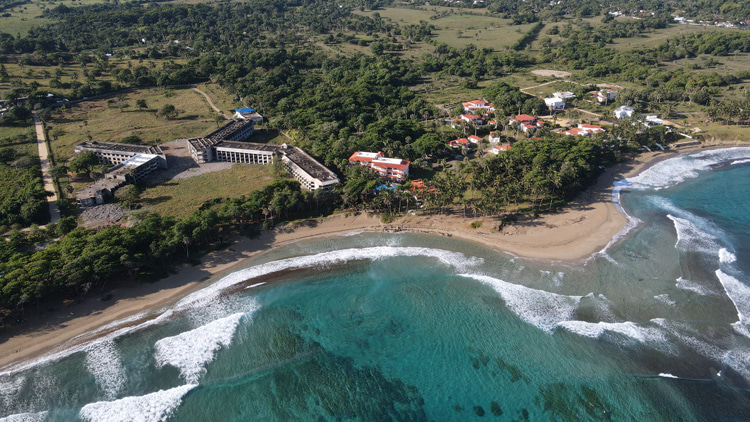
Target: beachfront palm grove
{"x":334,"y":78}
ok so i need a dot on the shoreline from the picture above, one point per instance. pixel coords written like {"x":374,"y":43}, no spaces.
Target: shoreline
{"x":585,"y":227}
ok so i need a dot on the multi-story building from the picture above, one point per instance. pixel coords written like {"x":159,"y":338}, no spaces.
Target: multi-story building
{"x":130,"y":171}
{"x":114,"y":153}
{"x":225,"y":144}
{"x":390,"y":168}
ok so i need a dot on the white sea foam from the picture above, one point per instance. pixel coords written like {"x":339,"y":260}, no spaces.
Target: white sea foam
{"x":627,"y":328}
{"x":325,"y":259}
{"x":192,"y":350}
{"x":9,"y":390}
{"x":666,"y":299}
{"x":25,"y":417}
{"x":726,"y":257}
{"x":255,"y":285}
{"x":666,"y":375}
{"x":739,"y":360}
{"x":103,"y":361}
{"x":693,"y":286}
{"x":537,"y":307}
{"x":734,"y":163}
{"x":691,"y":237}
{"x":676,"y":170}
{"x":739,"y":293}
{"x":630,"y":225}
{"x":154,"y":407}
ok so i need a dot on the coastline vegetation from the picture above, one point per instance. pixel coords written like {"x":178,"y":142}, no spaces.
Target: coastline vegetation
{"x":334,"y":78}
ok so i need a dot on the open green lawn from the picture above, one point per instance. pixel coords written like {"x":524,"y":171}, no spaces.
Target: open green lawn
{"x":104,"y":120}
{"x":179,"y":198}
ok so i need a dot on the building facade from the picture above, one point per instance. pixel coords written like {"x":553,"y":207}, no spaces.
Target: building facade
{"x":114,"y":153}
{"x":389,"y":168}
{"x":226,"y":144}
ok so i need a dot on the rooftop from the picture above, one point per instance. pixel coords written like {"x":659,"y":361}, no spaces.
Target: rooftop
{"x":113,"y":146}
{"x":309,"y":164}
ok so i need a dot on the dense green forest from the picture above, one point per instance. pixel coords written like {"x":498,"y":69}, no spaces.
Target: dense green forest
{"x":277,"y":57}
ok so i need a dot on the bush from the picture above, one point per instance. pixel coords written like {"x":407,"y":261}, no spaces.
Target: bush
{"x":476,"y":224}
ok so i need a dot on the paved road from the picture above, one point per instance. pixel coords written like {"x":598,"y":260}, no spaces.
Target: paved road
{"x":49,"y":186}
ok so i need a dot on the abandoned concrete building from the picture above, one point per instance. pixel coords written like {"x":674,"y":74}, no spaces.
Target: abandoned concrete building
{"x":225,"y":144}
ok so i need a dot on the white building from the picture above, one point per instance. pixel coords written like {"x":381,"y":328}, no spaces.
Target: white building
{"x":624,"y":112}
{"x":554,"y":103}
{"x":564,"y":95}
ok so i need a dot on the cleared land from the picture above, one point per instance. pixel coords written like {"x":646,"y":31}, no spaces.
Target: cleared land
{"x":659,"y":36}
{"x":116,"y":116}
{"x":459,"y":29}
{"x":179,"y":198}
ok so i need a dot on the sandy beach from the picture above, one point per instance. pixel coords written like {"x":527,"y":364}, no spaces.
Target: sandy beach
{"x":583,"y":228}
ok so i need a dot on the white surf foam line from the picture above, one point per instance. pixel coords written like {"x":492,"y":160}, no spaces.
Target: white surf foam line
{"x":537,"y":307}
{"x":25,"y":417}
{"x":676,"y":170}
{"x":726,"y":257}
{"x":666,"y":375}
{"x":652,"y":336}
{"x":255,"y":285}
{"x":103,"y":362}
{"x":738,"y":293}
{"x":9,"y":389}
{"x":632,"y":222}
{"x":208,"y":294}
{"x":665,"y":299}
{"x":734,"y":163}
{"x":694,"y":286}
{"x":156,"y":406}
{"x":691,"y":237}
{"x":66,"y":350}
{"x":192,"y":350}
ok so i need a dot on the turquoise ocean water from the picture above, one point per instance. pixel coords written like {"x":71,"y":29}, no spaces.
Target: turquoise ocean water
{"x":408,"y":327}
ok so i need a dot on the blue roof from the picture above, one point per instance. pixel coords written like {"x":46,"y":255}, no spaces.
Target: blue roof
{"x":245,"y":110}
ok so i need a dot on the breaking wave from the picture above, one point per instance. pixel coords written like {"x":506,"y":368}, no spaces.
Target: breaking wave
{"x":192,"y":350}
{"x":324,"y":260}
{"x":676,"y":170}
{"x":537,"y":307}
{"x":103,"y":362}
{"x":25,"y":417}
{"x":154,"y":407}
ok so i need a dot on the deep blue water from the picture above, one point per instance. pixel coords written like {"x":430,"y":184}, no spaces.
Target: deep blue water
{"x":410,"y":327}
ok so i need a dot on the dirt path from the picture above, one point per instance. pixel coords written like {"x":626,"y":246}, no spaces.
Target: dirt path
{"x":49,"y":186}
{"x":211,"y":103}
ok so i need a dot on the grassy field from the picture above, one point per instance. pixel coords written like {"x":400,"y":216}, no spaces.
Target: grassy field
{"x":21,"y":138}
{"x":24,"y":17}
{"x":104,"y":119}
{"x":179,"y":198}
{"x":658,"y":37}
{"x":459,"y":29}
{"x":220,"y":98}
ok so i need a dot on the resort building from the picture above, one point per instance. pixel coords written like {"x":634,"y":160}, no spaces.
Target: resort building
{"x":225,"y":144}
{"x":130,"y":171}
{"x":390,"y":168}
{"x":114,"y":153}
{"x":526,"y":122}
{"x":474,"y":105}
